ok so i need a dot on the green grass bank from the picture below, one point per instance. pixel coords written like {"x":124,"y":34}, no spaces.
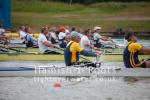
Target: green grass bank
{"x":112,"y":15}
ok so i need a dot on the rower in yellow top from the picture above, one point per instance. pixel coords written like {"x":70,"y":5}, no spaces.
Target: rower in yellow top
{"x":73,"y":49}
{"x":132,"y":51}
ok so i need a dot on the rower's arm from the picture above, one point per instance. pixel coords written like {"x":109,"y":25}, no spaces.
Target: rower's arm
{"x":46,"y":43}
{"x":90,"y":45}
{"x":83,"y":51}
{"x":144,"y":50}
{"x":104,"y":38}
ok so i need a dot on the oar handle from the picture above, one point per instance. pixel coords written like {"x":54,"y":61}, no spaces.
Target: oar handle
{"x":85,"y":58}
{"x":114,"y":43}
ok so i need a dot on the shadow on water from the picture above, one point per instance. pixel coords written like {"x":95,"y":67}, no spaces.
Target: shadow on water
{"x":134,"y":80}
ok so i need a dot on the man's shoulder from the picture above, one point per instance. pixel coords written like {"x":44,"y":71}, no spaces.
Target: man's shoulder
{"x":135,"y":44}
{"x":22,"y":32}
{"x":41,"y":36}
{"x":95,"y":33}
{"x":74,"y":44}
{"x":84,"y":37}
{"x":61,"y":33}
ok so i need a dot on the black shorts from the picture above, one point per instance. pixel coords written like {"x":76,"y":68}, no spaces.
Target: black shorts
{"x":143,"y":65}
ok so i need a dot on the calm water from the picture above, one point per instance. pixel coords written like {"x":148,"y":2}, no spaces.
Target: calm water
{"x":93,"y":88}
{"x":144,"y":42}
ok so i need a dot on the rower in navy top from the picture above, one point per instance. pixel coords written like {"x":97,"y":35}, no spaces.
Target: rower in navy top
{"x":131,"y":52}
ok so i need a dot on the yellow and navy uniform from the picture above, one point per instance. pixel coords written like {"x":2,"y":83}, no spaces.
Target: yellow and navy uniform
{"x":130,"y":56}
{"x":71,"y":53}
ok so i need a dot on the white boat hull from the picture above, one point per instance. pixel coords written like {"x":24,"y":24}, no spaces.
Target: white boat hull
{"x":77,"y":72}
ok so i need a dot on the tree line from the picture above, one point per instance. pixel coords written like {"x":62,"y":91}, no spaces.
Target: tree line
{"x":95,"y":1}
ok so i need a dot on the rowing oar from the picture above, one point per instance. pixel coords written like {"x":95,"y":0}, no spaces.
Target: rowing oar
{"x":4,"y":51}
{"x":12,"y":49}
{"x":113,"y":42}
{"x":79,"y":56}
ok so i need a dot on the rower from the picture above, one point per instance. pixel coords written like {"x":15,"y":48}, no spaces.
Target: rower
{"x":44,"y":44}
{"x":97,"y":37}
{"x":131,"y":52}
{"x":73,"y":49}
{"x":30,"y":41}
{"x":52,"y":35}
{"x":73,"y":29}
{"x":67,"y":31}
{"x":85,"y":41}
{"x":62,"y":36}
{"x":2,"y":31}
{"x":22,"y":33}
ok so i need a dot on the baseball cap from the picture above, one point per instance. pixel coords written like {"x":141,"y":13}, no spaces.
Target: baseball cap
{"x":62,"y":28}
{"x":97,"y":28}
{"x":74,"y":34}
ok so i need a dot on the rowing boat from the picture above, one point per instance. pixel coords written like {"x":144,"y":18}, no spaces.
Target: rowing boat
{"x":58,"y":57}
{"x":72,"y":71}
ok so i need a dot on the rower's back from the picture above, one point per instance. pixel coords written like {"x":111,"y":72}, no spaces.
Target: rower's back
{"x":130,"y":55}
{"x":71,"y":53}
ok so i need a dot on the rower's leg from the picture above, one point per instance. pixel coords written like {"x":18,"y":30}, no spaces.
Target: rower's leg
{"x":98,"y":52}
{"x":147,"y":63}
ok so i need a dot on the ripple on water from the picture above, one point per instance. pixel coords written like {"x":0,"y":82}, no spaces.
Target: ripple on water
{"x":97,"y":88}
